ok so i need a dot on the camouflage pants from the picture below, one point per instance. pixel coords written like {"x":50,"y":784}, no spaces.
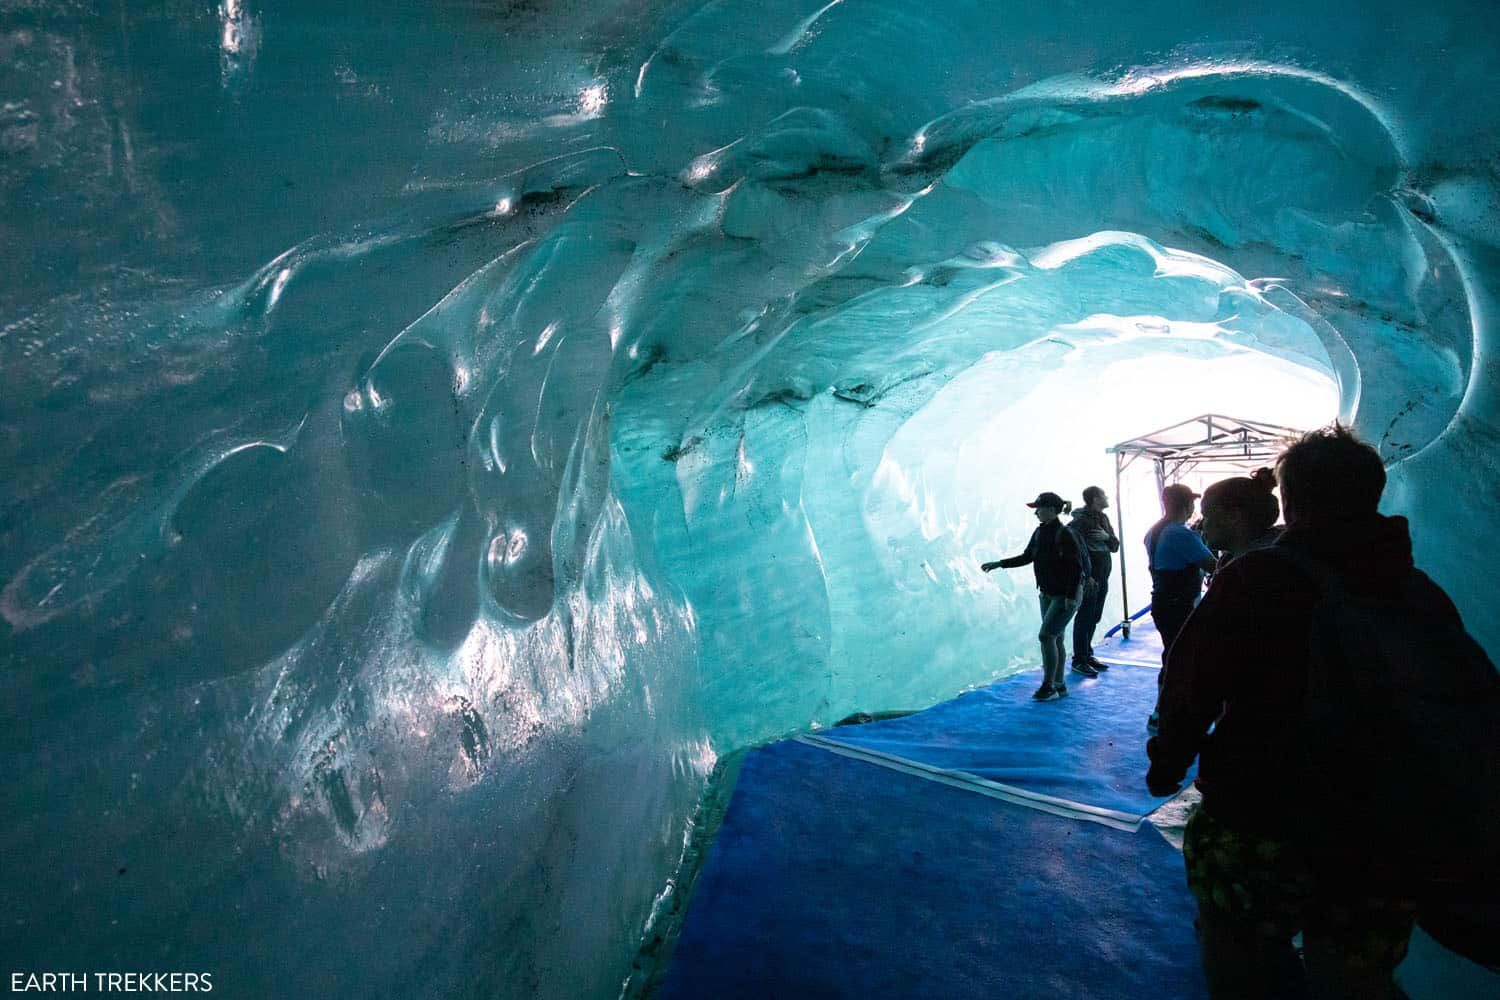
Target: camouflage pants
{"x":1256,"y":892}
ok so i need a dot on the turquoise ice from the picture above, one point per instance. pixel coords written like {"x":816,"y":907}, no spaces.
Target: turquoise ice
{"x":435,"y":434}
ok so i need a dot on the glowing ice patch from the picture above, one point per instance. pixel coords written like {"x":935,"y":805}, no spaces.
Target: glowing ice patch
{"x":496,"y":455}
{"x":744,"y":468}
{"x":592,"y":100}
{"x":591,"y":103}
{"x":497,"y":550}
{"x":236,"y":31}
{"x":239,"y":39}
{"x":545,"y":337}
{"x":1183,"y":264}
{"x":277,"y":287}
{"x":1066,"y":251}
{"x":1133,"y":327}
{"x":1143,"y":79}
{"x":640,"y":77}
{"x":800,"y":32}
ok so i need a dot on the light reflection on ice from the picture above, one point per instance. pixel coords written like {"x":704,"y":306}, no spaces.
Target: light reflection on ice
{"x":559,"y":586}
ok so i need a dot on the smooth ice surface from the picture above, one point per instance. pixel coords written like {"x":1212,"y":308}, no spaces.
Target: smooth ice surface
{"x":433,"y":434}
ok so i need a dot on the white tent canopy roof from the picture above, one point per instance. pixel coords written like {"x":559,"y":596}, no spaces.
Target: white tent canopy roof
{"x":1211,"y":443}
{"x":1208,"y":443}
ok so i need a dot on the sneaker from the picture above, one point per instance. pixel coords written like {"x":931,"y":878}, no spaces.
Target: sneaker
{"x":1061,"y":689}
{"x":1046,"y":693}
{"x":1097,"y":663}
{"x":1083,"y":667}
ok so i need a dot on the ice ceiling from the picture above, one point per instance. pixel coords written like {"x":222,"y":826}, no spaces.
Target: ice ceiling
{"x":434,"y":435}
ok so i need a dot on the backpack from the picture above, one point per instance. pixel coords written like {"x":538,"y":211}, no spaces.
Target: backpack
{"x":1080,"y":553}
{"x":1401,"y":722}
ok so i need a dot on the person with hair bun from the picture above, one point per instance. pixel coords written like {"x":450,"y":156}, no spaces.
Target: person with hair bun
{"x":1060,"y":561}
{"x":1240,"y":515}
{"x":1291,"y":685}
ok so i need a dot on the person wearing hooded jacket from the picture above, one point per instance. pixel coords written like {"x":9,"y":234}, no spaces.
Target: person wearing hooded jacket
{"x":1233,"y":696}
{"x":1060,"y":562}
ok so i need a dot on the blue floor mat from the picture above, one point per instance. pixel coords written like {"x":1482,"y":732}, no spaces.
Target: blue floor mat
{"x":831,"y":877}
{"x":1142,"y":648}
{"x":1089,"y":747}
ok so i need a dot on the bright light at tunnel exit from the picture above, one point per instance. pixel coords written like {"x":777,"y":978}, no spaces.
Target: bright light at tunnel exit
{"x":954,"y":481}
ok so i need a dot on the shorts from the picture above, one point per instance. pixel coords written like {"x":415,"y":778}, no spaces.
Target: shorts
{"x":1265,"y":882}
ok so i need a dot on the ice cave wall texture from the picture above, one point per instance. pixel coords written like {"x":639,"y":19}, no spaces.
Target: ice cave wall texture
{"x":433,"y":434}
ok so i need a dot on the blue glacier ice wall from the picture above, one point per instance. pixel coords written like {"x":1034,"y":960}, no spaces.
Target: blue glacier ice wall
{"x":433,"y":435}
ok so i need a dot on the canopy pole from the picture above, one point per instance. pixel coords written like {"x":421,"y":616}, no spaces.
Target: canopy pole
{"x":1124,"y":579}
{"x":1223,"y":443}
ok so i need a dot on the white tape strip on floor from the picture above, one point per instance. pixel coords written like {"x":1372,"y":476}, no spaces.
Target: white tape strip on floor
{"x":983,"y":786}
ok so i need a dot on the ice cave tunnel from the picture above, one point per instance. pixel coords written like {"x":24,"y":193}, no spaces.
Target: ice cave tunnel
{"x":436,"y":435}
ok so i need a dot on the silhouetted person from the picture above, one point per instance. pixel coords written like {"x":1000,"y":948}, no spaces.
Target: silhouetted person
{"x":1240,"y":514}
{"x":1061,"y":565}
{"x":1288,"y":835}
{"x":1092,"y":525}
{"x":1178,"y":559}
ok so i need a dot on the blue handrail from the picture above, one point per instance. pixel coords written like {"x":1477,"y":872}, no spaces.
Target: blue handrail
{"x":1132,"y":618}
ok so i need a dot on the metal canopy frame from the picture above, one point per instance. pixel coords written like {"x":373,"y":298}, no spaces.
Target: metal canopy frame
{"x":1208,"y":443}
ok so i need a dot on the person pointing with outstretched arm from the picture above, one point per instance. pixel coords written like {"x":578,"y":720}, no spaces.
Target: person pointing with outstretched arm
{"x":1061,"y":564}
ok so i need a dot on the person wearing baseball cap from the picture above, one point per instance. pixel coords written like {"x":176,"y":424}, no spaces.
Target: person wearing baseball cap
{"x":1061,"y":565}
{"x":1178,"y":559}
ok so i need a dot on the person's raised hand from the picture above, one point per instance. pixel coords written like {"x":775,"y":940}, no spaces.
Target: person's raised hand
{"x":989,"y":566}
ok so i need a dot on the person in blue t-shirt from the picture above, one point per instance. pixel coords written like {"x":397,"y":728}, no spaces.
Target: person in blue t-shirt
{"x":1178,"y":559}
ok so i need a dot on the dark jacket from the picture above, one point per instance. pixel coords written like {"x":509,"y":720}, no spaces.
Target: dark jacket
{"x":1085,"y":520}
{"x":1242,"y":658}
{"x":1057,"y":556}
